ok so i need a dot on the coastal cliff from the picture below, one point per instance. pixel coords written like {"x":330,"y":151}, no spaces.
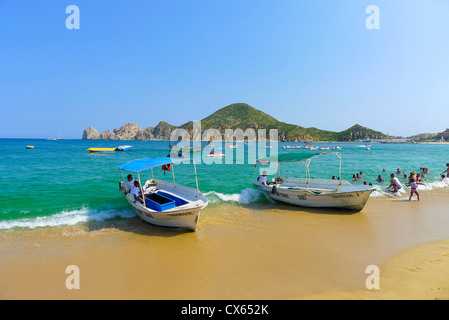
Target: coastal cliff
{"x":236,"y":116}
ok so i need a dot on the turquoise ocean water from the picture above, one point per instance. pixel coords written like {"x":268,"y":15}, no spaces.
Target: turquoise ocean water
{"x":60,"y":183}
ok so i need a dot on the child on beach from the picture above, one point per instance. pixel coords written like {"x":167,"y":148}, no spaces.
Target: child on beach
{"x":414,"y":188}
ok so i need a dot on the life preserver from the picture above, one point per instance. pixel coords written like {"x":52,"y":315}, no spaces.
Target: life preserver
{"x":166,"y":167}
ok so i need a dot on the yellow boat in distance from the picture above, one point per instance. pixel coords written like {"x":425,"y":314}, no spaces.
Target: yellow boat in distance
{"x":119,"y":148}
{"x":101,"y":149}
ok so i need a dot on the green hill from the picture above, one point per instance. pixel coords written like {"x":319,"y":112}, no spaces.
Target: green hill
{"x":238,"y":116}
{"x":243,"y":116}
{"x":359,"y":132}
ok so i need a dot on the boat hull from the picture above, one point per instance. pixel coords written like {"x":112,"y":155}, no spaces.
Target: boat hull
{"x":350,"y":200}
{"x":123,"y":148}
{"x":101,"y":149}
{"x":184,"y":217}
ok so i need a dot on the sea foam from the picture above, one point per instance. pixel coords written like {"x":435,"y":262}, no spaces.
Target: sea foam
{"x":66,"y":218}
{"x":246,"y":196}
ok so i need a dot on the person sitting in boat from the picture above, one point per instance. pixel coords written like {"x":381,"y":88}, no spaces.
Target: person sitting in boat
{"x":136,"y":192}
{"x":262,"y":180}
{"x":129,"y":183}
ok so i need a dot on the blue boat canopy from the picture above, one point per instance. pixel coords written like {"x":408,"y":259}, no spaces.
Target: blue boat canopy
{"x":147,"y":164}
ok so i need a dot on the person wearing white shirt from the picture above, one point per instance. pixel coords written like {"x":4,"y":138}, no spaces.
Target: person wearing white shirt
{"x":395,"y":184}
{"x":262,"y":180}
{"x":129,"y":183}
{"x":136,"y":192}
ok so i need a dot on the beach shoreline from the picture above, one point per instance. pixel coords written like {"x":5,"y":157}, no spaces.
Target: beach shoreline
{"x":260,"y":251}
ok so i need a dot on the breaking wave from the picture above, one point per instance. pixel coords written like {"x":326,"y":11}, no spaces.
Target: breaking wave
{"x":66,"y":218}
{"x":246,"y":196}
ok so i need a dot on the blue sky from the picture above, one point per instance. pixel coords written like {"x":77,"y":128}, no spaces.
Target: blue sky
{"x":310,"y":63}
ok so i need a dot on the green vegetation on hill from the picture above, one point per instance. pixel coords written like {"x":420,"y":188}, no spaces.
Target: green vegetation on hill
{"x":237,"y":116}
{"x":243,"y":116}
{"x":359,"y":132}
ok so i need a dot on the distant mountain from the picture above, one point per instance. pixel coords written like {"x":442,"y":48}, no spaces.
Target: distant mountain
{"x":239,"y":116}
{"x":358,"y":132}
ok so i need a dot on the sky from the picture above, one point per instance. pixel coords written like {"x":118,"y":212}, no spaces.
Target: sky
{"x":309,"y":63}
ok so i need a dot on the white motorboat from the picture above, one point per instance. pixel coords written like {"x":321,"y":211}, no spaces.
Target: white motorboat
{"x":216,"y":155}
{"x":166,"y":204}
{"x":123,"y":148}
{"x":315,"y":193}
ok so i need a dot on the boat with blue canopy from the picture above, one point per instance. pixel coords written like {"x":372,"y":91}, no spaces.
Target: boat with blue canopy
{"x":309,"y":192}
{"x":163,"y":203}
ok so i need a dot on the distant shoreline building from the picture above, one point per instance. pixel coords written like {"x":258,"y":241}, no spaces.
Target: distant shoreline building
{"x":443,"y":135}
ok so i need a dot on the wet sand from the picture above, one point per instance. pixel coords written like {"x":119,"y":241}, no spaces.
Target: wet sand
{"x":259,"y":251}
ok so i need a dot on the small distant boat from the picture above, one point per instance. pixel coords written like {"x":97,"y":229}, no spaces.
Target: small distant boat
{"x":123,"y":148}
{"x":216,"y":155}
{"x":232,"y":146}
{"x":29,"y":147}
{"x":119,"y":148}
{"x":101,"y":149}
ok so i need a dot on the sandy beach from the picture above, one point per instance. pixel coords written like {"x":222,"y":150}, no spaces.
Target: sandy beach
{"x":260,"y":251}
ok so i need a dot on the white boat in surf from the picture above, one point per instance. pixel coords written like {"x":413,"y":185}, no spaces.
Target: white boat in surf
{"x":314,"y":193}
{"x":166,"y":204}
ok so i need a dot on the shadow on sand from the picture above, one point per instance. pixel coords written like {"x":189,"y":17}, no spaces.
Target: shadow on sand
{"x":287,"y":207}
{"x":137,"y":226}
